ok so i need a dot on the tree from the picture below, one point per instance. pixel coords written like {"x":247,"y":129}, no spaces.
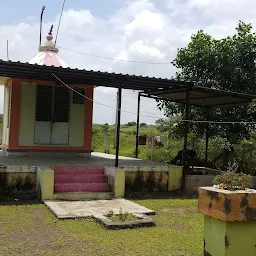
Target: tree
{"x":143,"y":124}
{"x":167,"y":124}
{"x":131,"y":123}
{"x":226,"y":64}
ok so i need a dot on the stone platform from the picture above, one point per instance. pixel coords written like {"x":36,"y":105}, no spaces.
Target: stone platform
{"x":96,"y":208}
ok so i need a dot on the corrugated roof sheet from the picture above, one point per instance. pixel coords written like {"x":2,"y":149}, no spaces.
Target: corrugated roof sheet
{"x":161,"y":88}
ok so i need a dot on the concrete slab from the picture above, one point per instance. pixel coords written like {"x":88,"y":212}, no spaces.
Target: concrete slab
{"x":96,"y":208}
{"x":109,"y":156}
{"x":96,"y":159}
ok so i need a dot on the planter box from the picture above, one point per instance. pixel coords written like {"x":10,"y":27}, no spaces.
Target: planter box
{"x":229,"y":221}
{"x":227,"y":205}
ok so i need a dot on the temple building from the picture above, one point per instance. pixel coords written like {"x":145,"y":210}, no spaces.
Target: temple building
{"x":47,"y":115}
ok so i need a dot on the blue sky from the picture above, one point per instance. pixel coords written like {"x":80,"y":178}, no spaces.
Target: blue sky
{"x":21,"y":9}
{"x":138,"y":30}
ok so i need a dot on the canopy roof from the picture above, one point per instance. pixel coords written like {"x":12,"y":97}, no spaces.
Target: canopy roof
{"x":159,"y":88}
{"x":201,"y":96}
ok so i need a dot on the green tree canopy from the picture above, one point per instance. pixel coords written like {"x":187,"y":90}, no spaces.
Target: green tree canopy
{"x":226,"y":64}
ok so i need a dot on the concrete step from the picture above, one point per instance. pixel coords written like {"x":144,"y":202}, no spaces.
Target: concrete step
{"x":82,"y":187}
{"x":75,"y":196}
{"x":60,"y":178}
{"x":78,"y":169}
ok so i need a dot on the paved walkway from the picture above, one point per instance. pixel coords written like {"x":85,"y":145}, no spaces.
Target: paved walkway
{"x":96,"y":208}
{"x":96,"y":159}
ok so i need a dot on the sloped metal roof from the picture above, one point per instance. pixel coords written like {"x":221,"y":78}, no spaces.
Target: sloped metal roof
{"x":202,"y":96}
{"x":76,"y":76}
{"x":158,"y":88}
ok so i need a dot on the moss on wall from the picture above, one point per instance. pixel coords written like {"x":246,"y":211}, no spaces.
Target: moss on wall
{"x":15,"y":182}
{"x":151,"y":181}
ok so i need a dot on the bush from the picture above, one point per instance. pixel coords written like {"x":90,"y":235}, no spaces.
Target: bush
{"x":131,"y":123}
{"x":233,"y":181}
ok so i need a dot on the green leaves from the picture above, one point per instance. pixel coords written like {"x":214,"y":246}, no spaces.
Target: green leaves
{"x":234,"y":181}
{"x":226,"y":64}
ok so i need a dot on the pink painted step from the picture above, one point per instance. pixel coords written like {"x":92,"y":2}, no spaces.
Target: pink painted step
{"x":78,"y":169}
{"x":60,"y":178}
{"x":82,"y":187}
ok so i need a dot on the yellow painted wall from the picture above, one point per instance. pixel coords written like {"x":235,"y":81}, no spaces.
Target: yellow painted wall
{"x":175,"y":178}
{"x":5,"y":134}
{"x":234,"y":238}
{"x":214,"y":236}
{"x":27,"y":119}
{"x":76,"y":125}
{"x":27,"y":114}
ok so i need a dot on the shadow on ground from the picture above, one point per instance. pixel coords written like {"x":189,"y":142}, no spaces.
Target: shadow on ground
{"x":158,"y":195}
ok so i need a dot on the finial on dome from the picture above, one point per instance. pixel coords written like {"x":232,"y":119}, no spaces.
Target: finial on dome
{"x":49,"y":45}
{"x":49,"y":36}
{"x":50,"y":32}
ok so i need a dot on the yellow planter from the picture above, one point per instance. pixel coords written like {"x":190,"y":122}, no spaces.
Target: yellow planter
{"x":229,"y":221}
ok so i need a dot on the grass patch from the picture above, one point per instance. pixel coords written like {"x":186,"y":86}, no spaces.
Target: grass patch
{"x":31,"y":229}
{"x":117,"y":218}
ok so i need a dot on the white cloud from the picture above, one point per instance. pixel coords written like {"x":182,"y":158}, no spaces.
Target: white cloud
{"x":141,"y":30}
{"x":145,"y":20}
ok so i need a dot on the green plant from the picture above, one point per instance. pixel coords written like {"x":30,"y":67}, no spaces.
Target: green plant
{"x":122,"y":215}
{"x":232,"y":180}
{"x":109,"y":214}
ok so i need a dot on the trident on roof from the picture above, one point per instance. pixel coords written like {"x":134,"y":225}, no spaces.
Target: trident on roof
{"x":50,"y":32}
{"x":41,"y":19}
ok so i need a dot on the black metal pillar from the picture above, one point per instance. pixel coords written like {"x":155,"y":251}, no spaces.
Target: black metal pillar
{"x":119,"y":104}
{"x":185,"y":140}
{"x":207,"y":137}
{"x":186,"y":120}
{"x":138,"y":127}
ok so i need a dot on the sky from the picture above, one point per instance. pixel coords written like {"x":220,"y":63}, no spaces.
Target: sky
{"x":130,"y":30}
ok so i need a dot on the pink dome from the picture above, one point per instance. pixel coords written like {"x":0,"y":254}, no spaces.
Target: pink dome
{"x":48,"y":54}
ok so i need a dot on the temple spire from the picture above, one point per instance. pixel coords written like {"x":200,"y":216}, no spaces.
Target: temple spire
{"x":50,"y":32}
{"x":48,"y":53}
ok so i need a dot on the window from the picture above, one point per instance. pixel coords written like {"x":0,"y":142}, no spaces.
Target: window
{"x":78,"y":98}
{"x":52,"y":103}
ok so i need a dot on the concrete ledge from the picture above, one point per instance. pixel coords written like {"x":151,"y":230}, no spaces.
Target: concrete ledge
{"x":18,"y":179}
{"x":116,"y":179}
{"x":227,"y":205}
{"x":47,"y":183}
{"x":193,"y":182}
{"x":18,"y":169}
{"x":119,"y":189}
{"x":175,"y":178}
{"x":142,"y":221}
{"x":73,"y":196}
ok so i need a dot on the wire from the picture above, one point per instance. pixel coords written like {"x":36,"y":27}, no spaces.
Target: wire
{"x":179,"y":121}
{"x":102,"y":104}
{"x":108,"y":58}
{"x":59,"y":22}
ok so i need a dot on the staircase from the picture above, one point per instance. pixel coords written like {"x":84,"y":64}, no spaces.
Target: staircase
{"x":81,"y":183}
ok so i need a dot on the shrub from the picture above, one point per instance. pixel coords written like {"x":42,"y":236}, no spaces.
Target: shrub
{"x":233,"y":181}
{"x":131,"y":123}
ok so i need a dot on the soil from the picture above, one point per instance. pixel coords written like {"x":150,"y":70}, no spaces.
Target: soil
{"x":35,"y":236}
